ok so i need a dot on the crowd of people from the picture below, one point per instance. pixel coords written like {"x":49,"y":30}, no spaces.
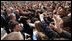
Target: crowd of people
{"x":36,"y":20}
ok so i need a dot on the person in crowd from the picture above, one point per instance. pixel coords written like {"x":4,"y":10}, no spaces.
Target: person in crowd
{"x":40,"y":33}
{"x":27,"y":28}
{"x":17,"y":15}
{"x":13,"y":36}
{"x":63,"y":24}
{"x":12,"y":19}
{"x":37,"y":20}
{"x":16,"y":27}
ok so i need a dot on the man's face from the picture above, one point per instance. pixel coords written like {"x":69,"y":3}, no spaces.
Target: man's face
{"x":14,"y":18}
{"x":59,"y":11}
{"x":18,"y":27}
{"x":8,"y":11}
{"x":17,"y":12}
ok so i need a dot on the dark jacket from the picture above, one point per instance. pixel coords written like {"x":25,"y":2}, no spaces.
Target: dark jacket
{"x":48,"y":20}
{"x":52,"y":34}
{"x":48,"y":31}
{"x":3,"y":21}
{"x":66,"y":34}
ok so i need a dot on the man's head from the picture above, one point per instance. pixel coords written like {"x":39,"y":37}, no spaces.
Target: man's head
{"x":8,"y":11}
{"x":68,"y":10}
{"x":11,"y":9}
{"x":17,"y":11}
{"x":13,"y":36}
{"x":12,"y":17}
{"x":66,"y":23}
{"x":15,"y":26}
{"x":60,"y":10}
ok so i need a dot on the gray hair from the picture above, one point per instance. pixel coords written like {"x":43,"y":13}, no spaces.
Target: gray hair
{"x":14,"y":36}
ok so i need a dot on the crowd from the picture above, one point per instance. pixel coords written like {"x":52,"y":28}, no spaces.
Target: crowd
{"x":36,"y":20}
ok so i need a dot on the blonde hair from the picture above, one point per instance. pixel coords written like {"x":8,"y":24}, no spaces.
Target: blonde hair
{"x":42,"y":36}
{"x":13,"y":36}
{"x":38,"y":26}
{"x":40,"y":32}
